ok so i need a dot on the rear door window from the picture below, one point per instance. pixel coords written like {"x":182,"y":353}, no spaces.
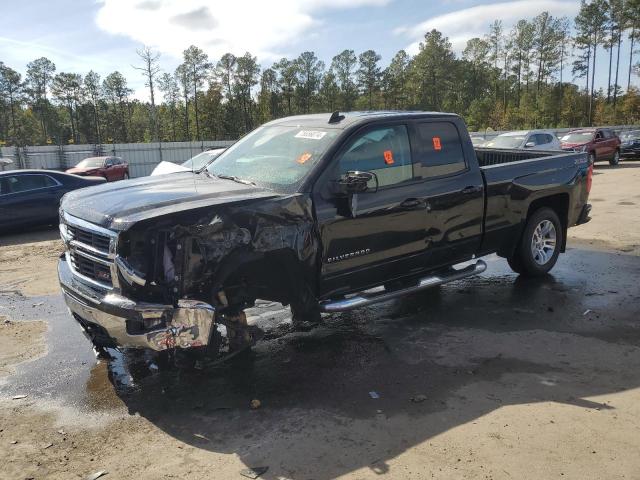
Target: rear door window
{"x":24,"y":183}
{"x":384,"y":151}
{"x":439,"y":150}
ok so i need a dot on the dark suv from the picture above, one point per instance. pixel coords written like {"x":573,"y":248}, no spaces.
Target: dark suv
{"x":600,"y":143}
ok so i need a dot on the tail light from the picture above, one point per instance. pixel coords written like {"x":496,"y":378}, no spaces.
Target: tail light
{"x":589,"y":177}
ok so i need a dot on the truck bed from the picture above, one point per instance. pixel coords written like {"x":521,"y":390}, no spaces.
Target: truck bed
{"x":488,"y":157}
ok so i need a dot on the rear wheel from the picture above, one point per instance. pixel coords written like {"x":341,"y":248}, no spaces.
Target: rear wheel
{"x":538,"y":249}
{"x":616,"y":158}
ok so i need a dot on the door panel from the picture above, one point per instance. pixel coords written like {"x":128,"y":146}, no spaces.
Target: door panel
{"x":382,"y":234}
{"x":454,"y":190}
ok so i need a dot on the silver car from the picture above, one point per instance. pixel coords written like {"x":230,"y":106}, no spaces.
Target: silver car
{"x":526,"y":139}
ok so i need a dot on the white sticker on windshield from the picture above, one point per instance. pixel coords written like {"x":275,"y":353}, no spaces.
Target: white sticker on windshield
{"x":311,"y":134}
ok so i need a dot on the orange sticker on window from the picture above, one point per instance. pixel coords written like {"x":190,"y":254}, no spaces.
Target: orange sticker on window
{"x":436,"y":143}
{"x":388,"y":157}
{"x":303,"y":158}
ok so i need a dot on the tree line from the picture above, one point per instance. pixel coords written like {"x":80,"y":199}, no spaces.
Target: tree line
{"x":504,"y":80}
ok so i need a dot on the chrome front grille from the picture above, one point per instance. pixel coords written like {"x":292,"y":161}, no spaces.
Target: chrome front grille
{"x":90,"y":251}
{"x":93,"y":239}
{"x":91,"y":266}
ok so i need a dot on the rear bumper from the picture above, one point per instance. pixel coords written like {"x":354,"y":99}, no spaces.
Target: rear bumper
{"x":584,"y":214}
{"x":111,"y":320}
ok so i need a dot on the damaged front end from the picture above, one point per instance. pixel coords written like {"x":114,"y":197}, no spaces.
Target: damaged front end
{"x":183,"y":282}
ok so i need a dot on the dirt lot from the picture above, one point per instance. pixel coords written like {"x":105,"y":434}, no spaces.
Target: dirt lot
{"x":494,"y":377}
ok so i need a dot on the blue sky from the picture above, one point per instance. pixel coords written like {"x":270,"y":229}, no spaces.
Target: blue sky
{"x":103,"y":35}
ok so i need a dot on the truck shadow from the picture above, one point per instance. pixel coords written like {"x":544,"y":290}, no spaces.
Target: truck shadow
{"x":435,"y":360}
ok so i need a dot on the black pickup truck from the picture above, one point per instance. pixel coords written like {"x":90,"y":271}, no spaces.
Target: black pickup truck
{"x":325,"y":213}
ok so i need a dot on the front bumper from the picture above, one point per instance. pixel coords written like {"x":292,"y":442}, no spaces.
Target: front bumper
{"x":111,"y":320}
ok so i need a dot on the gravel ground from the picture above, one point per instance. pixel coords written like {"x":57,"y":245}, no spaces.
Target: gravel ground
{"x":493,"y":377}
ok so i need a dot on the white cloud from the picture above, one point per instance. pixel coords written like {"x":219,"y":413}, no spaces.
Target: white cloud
{"x":462,"y":25}
{"x":266,"y":28}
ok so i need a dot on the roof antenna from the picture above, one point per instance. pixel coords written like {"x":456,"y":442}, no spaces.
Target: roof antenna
{"x":336,"y":117}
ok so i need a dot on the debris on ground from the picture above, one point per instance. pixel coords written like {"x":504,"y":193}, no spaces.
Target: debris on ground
{"x":39,"y":304}
{"x":587,"y":312}
{"x":19,"y":397}
{"x":96,"y":475}
{"x":418,"y":398}
{"x":153,"y":367}
{"x":14,"y":442}
{"x":201,"y":437}
{"x":255,"y":404}
{"x":254,"y":472}
{"x":62,"y":432}
{"x":374,"y":395}
{"x":48,"y":445}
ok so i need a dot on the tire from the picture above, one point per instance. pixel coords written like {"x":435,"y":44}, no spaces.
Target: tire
{"x":125,"y":176}
{"x":515,"y":263}
{"x":305,"y":311}
{"x":538,"y":249}
{"x":615,"y":161}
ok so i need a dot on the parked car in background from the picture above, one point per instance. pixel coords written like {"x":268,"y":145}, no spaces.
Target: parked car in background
{"x":601,"y":144}
{"x":521,"y":139}
{"x":630,"y":146}
{"x":478,"y":141}
{"x":194,"y":164}
{"x":32,"y":197}
{"x":111,"y":168}
{"x":5,"y":163}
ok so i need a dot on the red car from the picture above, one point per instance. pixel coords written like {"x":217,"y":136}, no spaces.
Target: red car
{"x":599,"y":143}
{"x":111,"y":168}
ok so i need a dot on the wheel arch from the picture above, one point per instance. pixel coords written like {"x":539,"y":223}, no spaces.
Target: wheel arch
{"x":559,"y":203}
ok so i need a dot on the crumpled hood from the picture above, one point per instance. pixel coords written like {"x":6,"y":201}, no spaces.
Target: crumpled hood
{"x":119,"y":204}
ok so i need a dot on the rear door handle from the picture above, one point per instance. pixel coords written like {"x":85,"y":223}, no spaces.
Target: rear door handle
{"x":470,"y":189}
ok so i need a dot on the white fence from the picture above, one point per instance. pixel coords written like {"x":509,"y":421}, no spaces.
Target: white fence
{"x":142,"y":157}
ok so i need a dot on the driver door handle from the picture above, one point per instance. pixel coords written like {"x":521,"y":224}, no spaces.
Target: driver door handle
{"x":470,"y":189}
{"x":415,"y":204}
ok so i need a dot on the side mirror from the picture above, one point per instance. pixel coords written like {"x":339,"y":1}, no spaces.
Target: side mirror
{"x":529,"y":144}
{"x":356,"y":182}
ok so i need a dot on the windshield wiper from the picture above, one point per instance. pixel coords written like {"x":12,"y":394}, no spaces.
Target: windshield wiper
{"x":235,"y":179}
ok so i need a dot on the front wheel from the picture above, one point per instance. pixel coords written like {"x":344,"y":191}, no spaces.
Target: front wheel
{"x":538,"y":249}
{"x":616,"y":159}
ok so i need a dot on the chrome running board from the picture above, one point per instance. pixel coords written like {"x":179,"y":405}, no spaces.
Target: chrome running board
{"x":380,"y":294}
